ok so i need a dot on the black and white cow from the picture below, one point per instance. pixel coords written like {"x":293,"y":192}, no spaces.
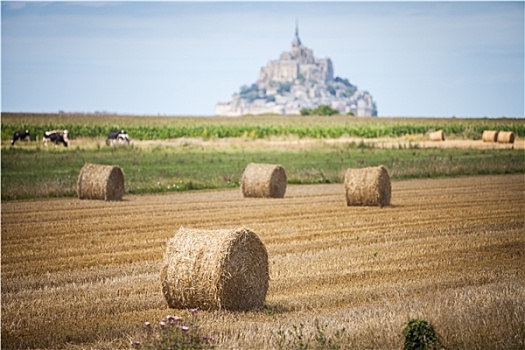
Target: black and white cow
{"x":21,"y":135}
{"x":117,"y":136}
{"x":57,"y":137}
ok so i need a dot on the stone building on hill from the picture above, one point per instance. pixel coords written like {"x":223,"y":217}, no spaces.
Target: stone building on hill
{"x":298,"y":80}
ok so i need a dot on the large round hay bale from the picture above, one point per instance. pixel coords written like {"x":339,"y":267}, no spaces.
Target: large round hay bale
{"x":367,"y":187}
{"x":489,"y":136}
{"x":104,"y":182}
{"x":506,"y":137}
{"x":437,"y":136}
{"x":215,"y":269}
{"x":264,"y":181}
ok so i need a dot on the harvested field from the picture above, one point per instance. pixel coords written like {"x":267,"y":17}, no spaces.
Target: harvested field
{"x":85,"y":274}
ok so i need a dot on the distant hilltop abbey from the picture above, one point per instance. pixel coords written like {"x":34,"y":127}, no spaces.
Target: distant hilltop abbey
{"x":298,"y":80}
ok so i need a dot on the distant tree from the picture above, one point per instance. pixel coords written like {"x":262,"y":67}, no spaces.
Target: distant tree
{"x":322,"y":110}
{"x":305,"y":111}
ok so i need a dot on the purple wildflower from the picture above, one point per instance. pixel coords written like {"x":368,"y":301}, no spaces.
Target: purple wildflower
{"x":147,"y":324}
{"x":183,"y":328}
{"x":162,"y":324}
{"x":136,"y":344}
{"x":173,"y":319}
{"x":194,"y":311}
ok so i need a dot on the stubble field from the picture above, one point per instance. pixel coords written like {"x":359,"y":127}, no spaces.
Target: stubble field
{"x":80,"y":274}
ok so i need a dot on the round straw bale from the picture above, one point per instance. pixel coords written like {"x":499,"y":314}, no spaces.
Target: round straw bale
{"x":367,"y":186}
{"x":437,"y":136}
{"x":506,"y":137}
{"x":489,"y":136}
{"x":104,"y":182}
{"x":264,"y":180}
{"x":215,"y":269}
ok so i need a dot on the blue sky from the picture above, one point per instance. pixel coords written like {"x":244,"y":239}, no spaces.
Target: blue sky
{"x":442,"y":59}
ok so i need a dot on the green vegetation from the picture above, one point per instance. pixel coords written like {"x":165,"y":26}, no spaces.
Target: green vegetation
{"x":321,"y":110}
{"x":34,"y":171}
{"x":52,"y":172}
{"x":420,"y":335}
{"x":162,"y":128}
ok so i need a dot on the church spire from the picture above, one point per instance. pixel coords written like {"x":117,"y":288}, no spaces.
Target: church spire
{"x":296,"y":41}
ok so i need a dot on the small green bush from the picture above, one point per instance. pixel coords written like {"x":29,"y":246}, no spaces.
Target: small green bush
{"x":321,"y":110}
{"x":420,"y":335}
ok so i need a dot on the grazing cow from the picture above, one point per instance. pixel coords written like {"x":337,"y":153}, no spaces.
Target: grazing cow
{"x":20,"y":135}
{"x":119,"y":136}
{"x":56,"y":136}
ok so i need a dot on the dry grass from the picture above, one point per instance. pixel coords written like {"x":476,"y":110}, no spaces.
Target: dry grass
{"x":85,"y":274}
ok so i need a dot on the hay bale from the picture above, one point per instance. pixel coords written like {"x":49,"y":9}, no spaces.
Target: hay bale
{"x":506,"y":137}
{"x":437,"y":136}
{"x":489,"y":136}
{"x":264,"y":181}
{"x":104,"y":182}
{"x":215,"y":269}
{"x":367,"y":186}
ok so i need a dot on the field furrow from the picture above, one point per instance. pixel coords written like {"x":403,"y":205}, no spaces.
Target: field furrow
{"x":80,"y":274}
